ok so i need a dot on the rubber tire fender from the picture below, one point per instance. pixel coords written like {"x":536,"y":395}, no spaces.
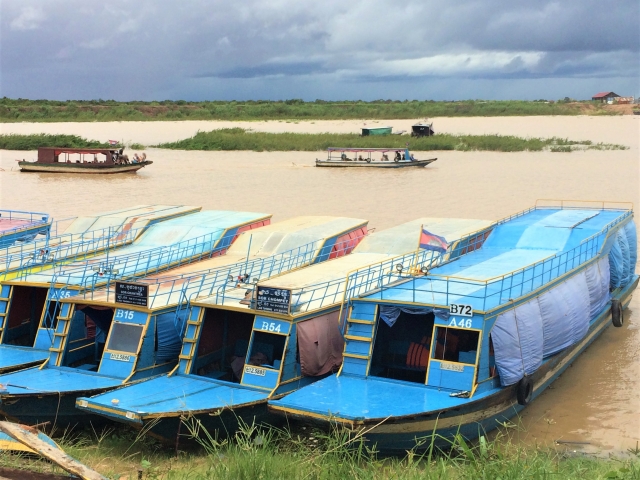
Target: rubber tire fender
{"x":524,"y":390}
{"x":616,"y":313}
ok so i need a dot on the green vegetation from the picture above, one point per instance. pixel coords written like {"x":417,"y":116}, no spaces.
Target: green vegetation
{"x":240,"y":139}
{"x":256,"y":453}
{"x":23,"y":110}
{"x":32,"y":142}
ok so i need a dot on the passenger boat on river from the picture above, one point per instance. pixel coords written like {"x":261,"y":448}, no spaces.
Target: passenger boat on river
{"x":367,"y":158}
{"x":466,"y":344}
{"x":84,"y":160}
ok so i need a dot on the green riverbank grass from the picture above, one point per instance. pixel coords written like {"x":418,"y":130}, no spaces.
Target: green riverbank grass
{"x":24,"y":110}
{"x":240,"y":139}
{"x":269,"y":453}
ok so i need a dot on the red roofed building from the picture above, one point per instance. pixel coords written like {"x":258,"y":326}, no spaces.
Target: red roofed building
{"x":605,"y":97}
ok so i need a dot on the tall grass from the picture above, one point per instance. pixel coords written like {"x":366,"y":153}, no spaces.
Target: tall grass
{"x":240,"y":139}
{"x":21,"y":110}
{"x":256,"y":452}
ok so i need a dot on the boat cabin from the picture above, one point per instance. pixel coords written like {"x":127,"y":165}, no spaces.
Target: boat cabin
{"x":422,"y":130}
{"x":79,"y":155}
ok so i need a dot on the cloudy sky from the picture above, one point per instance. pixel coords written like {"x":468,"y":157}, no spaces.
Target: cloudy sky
{"x":328,"y":49}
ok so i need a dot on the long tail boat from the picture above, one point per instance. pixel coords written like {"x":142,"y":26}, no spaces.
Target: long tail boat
{"x":371,"y":158}
{"x":32,"y":301}
{"x":245,"y":345}
{"x":137,"y":336}
{"x":83,"y":160}
{"x":465,"y":345}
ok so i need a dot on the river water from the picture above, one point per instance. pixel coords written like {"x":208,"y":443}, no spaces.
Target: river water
{"x":596,"y":402}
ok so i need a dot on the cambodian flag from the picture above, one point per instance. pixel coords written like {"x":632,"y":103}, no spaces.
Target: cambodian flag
{"x":113,"y":142}
{"x":429,"y":241}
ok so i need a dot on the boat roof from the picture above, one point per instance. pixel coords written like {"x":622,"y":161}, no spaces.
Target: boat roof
{"x":13,"y":220}
{"x":176,"y":393}
{"x":376,"y":247}
{"x":132,"y":217}
{"x":351,"y":149}
{"x":511,"y":250}
{"x":167,"y":287}
{"x":215,"y":224}
{"x":59,"y":150}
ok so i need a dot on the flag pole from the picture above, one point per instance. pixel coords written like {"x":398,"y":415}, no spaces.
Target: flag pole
{"x":415,"y":259}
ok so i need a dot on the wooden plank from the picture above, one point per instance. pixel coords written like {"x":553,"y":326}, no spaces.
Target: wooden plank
{"x":59,"y":457}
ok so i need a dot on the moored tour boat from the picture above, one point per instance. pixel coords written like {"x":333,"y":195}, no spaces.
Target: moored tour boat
{"x":84,"y":160}
{"x":465,"y":345}
{"x":365,"y":158}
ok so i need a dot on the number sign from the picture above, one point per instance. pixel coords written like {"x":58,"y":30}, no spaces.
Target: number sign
{"x":132,"y":293}
{"x":276,"y":300}
{"x":461,"y":310}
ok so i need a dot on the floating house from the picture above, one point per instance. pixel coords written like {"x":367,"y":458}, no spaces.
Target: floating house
{"x":106,"y":338}
{"x":84,"y":236}
{"x":245,"y":345}
{"x":30,"y":303}
{"x":466,"y":344}
{"x":17,"y":226}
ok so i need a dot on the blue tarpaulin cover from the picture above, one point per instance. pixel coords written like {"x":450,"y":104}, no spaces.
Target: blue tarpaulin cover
{"x":169,"y":327}
{"x":624,"y":255}
{"x":549,"y":323}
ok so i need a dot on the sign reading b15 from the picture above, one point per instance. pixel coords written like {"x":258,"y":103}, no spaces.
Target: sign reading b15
{"x":461,"y":310}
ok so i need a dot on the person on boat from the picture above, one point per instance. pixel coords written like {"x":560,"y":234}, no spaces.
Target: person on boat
{"x":135,"y":159}
{"x":412,"y":158}
{"x":385,"y":158}
{"x":403,"y":157}
{"x":360,"y":159}
{"x":397,"y":157}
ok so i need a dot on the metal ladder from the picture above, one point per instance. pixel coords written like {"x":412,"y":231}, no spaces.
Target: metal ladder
{"x":359,"y":335}
{"x":65,"y":313}
{"x":5,"y":296}
{"x":190,"y":340}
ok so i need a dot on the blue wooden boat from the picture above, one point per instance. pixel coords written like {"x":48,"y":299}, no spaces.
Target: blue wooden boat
{"x":30,"y":303}
{"x":468,"y":343}
{"x":133,"y":340}
{"x":73,"y":239}
{"x":17,"y":226}
{"x":241,"y":348}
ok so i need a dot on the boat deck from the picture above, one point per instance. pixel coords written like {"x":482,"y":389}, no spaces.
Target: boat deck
{"x":53,"y":380}
{"x":12,"y":355}
{"x":175,"y":394}
{"x":369,"y":398}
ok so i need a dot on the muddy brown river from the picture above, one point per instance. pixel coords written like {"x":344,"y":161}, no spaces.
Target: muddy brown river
{"x":595,"y":403}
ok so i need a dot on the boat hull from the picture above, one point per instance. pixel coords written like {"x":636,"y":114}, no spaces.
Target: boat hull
{"x":376,"y":164}
{"x":85,"y":168}
{"x":400,"y":434}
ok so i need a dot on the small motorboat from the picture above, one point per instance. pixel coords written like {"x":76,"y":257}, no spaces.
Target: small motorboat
{"x":367,"y":158}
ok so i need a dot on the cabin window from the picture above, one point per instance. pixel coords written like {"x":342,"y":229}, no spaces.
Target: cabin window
{"x":456,"y":345}
{"x":267,"y":349}
{"x":125,"y":337}
{"x":401,"y":351}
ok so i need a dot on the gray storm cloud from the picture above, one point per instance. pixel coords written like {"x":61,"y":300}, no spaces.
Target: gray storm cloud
{"x":197,"y":49}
